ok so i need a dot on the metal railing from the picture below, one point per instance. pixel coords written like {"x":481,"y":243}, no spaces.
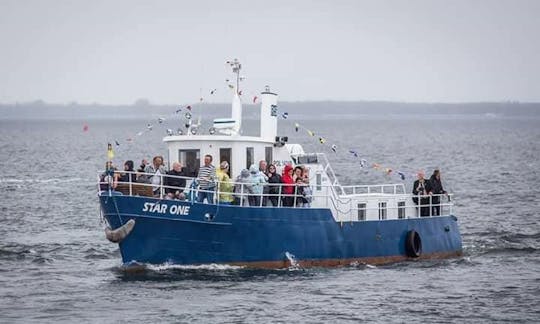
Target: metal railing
{"x":345,"y":205}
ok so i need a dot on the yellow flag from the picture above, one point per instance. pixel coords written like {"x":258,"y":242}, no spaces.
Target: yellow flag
{"x":110,"y":152}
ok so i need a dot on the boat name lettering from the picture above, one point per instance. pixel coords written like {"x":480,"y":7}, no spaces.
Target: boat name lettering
{"x":162,"y":209}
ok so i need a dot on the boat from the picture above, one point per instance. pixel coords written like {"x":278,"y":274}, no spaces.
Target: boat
{"x":343,"y":225}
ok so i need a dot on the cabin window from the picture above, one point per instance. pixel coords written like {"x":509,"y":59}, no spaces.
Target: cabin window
{"x":268,"y":151}
{"x":382,"y":210}
{"x":249,"y":157}
{"x":225,"y":155}
{"x":191,"y":160}
{"x":401,"y":209}
{"x":318,"y":181}
{"x":361,"y":211}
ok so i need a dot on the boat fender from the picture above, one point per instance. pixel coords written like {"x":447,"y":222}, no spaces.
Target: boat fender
{"x":117,"y":235}
{"x":413,"y":244}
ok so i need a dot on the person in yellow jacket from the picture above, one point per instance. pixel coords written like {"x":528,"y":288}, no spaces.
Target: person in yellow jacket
{"x":225,"y":185}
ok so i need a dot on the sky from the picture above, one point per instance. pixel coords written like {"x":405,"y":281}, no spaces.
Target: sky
{"x":115,"y":52}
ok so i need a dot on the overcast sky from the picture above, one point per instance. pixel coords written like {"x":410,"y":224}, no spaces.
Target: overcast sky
{"x":167,"y":51}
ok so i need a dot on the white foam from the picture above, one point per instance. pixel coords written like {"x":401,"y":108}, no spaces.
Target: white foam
{"x":52,"y":180}
{"x":211,"y":267}
{"x":292,"y":259}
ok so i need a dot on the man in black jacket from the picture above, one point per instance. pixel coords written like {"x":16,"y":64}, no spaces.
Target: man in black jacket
{"x":174,"y":185}
{"x":422,"y":189}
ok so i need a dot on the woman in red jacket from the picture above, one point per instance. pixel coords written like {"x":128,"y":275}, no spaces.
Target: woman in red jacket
{"x":288,"y":186}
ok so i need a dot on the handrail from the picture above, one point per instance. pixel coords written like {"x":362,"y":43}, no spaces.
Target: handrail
{"x":327,"y":197}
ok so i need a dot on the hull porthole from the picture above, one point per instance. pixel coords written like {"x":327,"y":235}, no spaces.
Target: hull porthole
{"x":413,"y":244}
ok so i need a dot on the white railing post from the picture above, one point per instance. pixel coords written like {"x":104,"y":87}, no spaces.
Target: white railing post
{"x":218,"y":192}
{"x":160,"y":186}
{"x":279,"y":195}
{"x":242,"y":194}
{"x":430,"y":206}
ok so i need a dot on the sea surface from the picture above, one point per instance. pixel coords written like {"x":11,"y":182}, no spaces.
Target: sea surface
{"x":57,"y":267}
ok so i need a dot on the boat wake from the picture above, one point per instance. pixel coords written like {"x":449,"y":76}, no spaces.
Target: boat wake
{"x":164,"y":267}
{"x":503,"y":243}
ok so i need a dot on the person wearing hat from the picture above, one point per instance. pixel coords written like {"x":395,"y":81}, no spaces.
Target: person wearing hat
{"x":243,"y":188}
{"x":225,"y":186}
{"x":257,"y":184}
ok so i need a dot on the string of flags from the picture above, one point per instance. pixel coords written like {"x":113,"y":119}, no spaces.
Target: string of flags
{"x":187,"y":109}
{"x":363,"y":162}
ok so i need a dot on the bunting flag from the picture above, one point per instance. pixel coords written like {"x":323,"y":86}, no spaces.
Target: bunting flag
{"x":116,"y":142}
{"x":310,"y":133}
{"x":178,"y":110}
{"x":213,"y":91}
{"x":85,"y":127}
{"x":401,"y":175}
{"x":161,"y":120}
{"x":149,"y":126}
{"x":363,"y":163}
{"x":296,"y":126}
{"x":334,"y":147}
{"x":376,"y":166}
{"x":255,"y":99}
{"x":284,"y":115}
{"x":110,"y":152}
{"x":322,"y":140}
{"x":353,"y":152}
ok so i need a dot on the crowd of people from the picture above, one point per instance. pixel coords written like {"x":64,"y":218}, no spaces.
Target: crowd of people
{"x":256,"y":186}
{"x":427,"y":193}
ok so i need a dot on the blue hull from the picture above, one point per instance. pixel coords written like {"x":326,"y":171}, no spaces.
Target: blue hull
{"x":191,"y":233}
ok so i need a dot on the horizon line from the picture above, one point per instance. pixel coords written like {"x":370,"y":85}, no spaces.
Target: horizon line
{"x":148,"y":103}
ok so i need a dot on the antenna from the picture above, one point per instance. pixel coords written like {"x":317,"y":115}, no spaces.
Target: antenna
{"x":236,"y":67}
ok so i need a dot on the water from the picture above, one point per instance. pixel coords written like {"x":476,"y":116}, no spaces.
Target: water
{"x":57,"y":266}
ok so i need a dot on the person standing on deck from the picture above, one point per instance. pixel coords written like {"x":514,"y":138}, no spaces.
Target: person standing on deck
{"x":258,"y":182}
{"x":288,"y":186}
{"x":207,"y":180}
{"x":153,"y":174}
{"x":274,"y":190}
{"x":225,"y":185}
{"x":436,"y":190}
{"x":421,"y":189}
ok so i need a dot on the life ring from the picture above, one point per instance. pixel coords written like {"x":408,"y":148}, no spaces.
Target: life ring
{"x":413,"y":244}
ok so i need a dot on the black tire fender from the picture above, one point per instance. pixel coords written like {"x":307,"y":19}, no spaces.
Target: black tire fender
{"x":413,"y":244}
